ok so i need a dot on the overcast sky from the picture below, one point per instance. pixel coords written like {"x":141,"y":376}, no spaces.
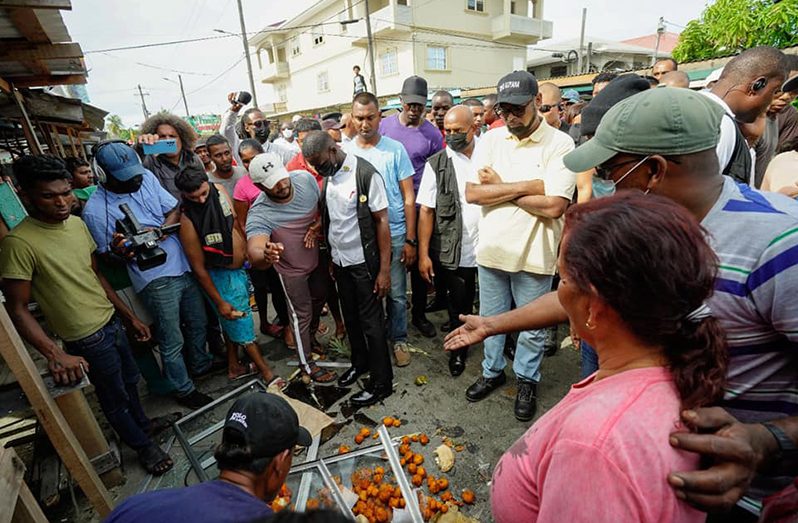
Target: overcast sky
{"x":114,"y":75}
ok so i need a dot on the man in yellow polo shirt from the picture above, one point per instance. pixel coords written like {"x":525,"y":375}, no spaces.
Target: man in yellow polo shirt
{"x":524,"y":190}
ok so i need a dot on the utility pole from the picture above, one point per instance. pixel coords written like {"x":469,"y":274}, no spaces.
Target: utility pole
{"x":183,"y":93}
{"x":246,"y":53}
{"x":660,"y":31}
{"x":581,"y":42}
{"x":143,"y":105}
{"x":371,"y":50}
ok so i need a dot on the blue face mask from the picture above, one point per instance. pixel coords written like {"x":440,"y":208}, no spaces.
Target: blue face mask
{"x":602,"y":188}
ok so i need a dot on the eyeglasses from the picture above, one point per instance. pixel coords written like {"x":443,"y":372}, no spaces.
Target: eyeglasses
{"x":605,"y":172}
{"x":260,"y":123}
{"x":512,"y":109}
{"x":546,"y":107}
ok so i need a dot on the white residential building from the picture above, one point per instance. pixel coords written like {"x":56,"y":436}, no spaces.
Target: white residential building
{"x":452,"y":43}
{"x":553,"y":59}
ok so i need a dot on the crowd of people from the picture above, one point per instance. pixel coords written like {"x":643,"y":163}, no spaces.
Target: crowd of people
{"x":678,"y":289}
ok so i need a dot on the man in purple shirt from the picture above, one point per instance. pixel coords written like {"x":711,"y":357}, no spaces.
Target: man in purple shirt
{"x":421,"y":140}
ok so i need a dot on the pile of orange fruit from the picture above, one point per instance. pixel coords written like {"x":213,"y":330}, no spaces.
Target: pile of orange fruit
{"x":282,"y":499}
{"x":376,"y":497}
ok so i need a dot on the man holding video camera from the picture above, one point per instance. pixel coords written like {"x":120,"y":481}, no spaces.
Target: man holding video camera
{"x":171,"y":294}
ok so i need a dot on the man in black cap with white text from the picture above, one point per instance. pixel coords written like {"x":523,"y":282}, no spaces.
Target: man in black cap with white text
{"x":260,"y":433}
{"x":522,"y":222}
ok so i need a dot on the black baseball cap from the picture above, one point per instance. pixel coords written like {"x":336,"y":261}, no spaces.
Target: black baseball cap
{"x":618,"y":89}
{"x":790,"y":85}
{"x":267,"y":423}
{"x":517,"y":88}
{"x":414,"y":91}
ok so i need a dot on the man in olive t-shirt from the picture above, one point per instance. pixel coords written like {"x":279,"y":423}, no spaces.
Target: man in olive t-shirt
{"x":49,"y":258}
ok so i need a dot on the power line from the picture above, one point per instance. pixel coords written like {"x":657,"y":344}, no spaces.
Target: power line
{"x":156,"y":67}
{"x":241,"y":58}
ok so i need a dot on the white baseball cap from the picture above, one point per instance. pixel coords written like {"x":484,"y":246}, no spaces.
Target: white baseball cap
{"x":267,"y":169}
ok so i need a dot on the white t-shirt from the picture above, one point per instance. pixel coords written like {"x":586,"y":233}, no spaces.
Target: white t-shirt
{"x":512,"y":239}
{"x":341,"y":199}
{"x":782,"y":172}
{"x":428,"y":191}
{"x":728,"y":134}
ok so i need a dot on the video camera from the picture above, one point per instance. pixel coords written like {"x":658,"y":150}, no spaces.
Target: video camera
{"x":143,"y":242}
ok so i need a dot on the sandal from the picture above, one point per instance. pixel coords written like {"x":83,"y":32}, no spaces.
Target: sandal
{"x":320,"y":375}
{"x":161,"y":423}
{"x":249,"y":370}
{"x":323,"y":329}
{"x":154,"y":460}
{"x":278,"y":383}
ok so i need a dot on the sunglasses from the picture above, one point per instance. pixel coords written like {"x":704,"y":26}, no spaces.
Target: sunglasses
{"x":260,"y":123}
{"x":605,"y":171}
{"x":511,"y":109}
{"x":546,"y":107}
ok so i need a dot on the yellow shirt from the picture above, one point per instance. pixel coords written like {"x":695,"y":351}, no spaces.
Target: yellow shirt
{"x":511,"y":239}
{"x":56,"y":259}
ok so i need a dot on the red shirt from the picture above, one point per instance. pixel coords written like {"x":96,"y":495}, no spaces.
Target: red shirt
{"x":298,"y":163}
{"x":498,"y":122}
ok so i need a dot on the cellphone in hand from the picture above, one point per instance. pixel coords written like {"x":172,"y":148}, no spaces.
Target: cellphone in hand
{"x":161,"y":147}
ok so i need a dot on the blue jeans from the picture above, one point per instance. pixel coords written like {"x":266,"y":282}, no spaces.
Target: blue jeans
{"x":589,"y":360}
{"x":397,"y":298}
{"x":497,"y":289}
{"x":115,"y":376}
{"x":176,"y":300}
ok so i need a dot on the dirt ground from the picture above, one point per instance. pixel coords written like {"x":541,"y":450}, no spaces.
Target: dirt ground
{"x":439,"y":408}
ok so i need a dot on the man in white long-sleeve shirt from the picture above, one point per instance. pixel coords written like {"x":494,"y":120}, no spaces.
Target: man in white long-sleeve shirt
{"x":255,"y":125}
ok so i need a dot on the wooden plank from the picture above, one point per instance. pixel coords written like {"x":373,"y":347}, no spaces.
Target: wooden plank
{"x":27,"y":22}
{"x":28,"y":510}
{"x":5,"y":86}
{"x":24,"y":51}
{"x":63,"y":439}
{"x":42,"y":80}
{"x":30,"y":135}
{"x":12,"y":471}
{"x":80,"y":417}
{"x":38,"y":4}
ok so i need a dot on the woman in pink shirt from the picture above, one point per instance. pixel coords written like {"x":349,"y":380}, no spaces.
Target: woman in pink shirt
{"x":637,"y":296}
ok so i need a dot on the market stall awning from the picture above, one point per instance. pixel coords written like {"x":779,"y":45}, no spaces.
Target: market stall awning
{"x":35,"y":46}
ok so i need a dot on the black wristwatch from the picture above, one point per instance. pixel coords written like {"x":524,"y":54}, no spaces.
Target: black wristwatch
{"x":412,"y":243}
{"x":787,"y":447}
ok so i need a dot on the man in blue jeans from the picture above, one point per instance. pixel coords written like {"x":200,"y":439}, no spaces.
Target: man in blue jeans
{"x":49,"y":258}
{"x":520,"y":228}
{"x":390,"y":159}
{"x":169,"y":290}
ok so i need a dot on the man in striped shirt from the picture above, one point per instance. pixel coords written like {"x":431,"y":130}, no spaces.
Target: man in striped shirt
{"x":648,"y":142}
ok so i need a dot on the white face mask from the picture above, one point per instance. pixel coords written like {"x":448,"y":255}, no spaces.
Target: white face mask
{"x":287,"y":133}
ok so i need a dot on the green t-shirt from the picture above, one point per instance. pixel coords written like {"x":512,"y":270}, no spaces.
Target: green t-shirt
{"x":56,"y":259}
{"x":85,"y":193}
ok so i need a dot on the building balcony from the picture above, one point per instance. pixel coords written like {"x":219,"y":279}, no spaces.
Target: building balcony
{"x":391,"y":20}
{"x":517,"y":29}
{"x":275,"y":72}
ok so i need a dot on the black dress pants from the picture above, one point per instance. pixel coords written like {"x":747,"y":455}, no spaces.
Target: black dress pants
{"x":365,"y":324}
{"x":460,"y":286}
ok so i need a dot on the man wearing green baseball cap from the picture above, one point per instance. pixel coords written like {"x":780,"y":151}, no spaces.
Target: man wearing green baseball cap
{"x":663,"y":141}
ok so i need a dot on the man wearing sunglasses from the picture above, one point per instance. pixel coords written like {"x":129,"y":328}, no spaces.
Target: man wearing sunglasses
{"x":254,"y":125}
{"x":663,"y":141}
{"x":520,"y":227}
{"x":551,"y":106}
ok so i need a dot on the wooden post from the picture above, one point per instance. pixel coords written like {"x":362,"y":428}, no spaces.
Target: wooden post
{"x":27,"y":127}
{"x":80,"y":418}
{"x":17,"y":503}
{"x":28,"y":510}
{"x":63,"y":439}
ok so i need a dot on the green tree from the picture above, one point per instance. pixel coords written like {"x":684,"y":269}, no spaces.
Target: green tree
{"x":116,"y":129}
{"x":729,"y":26}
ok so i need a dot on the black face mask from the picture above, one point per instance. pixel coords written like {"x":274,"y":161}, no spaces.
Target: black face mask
{"x":329,"y":169}
{"x":262,"y":133}
{"x":458,"y":141}
{"x":127,"y":187}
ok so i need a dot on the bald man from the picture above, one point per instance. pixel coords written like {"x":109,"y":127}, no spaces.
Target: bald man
{"x":442,"y":188}
{"x":663,"y":67}
{"x":550,"y":108}
{"x":675,"y":79}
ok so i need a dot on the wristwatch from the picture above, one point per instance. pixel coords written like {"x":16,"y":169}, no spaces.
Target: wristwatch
{"x":787,"y":447}
{"x":412,"y":243}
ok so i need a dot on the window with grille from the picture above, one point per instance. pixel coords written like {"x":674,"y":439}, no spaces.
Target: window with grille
{"x":322,"y":82}
{"x":295,"y":49}
{"x":436,"y":58}
{"x":389,"y":62}
{"x":318,"y":36}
